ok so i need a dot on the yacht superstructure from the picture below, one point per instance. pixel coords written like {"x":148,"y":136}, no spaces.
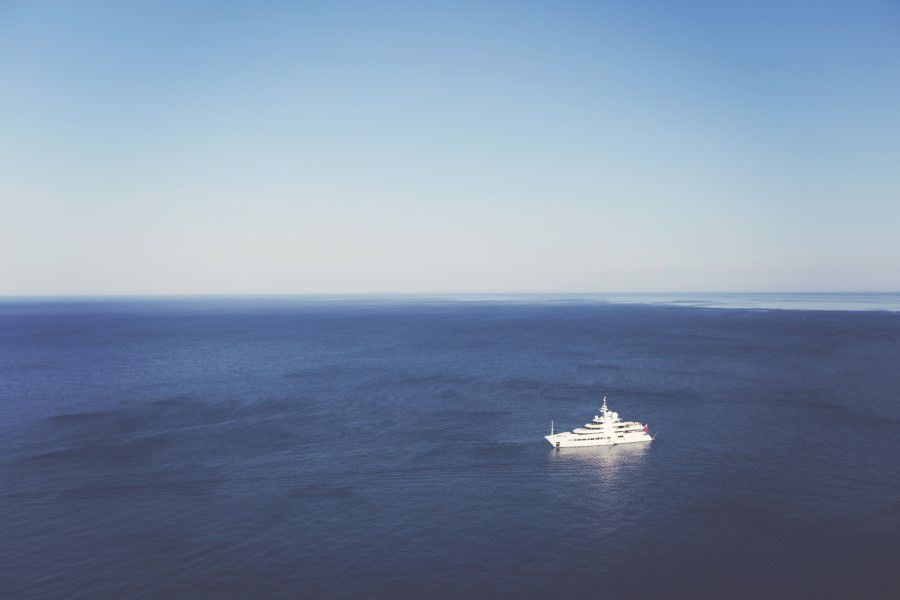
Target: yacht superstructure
{"x":606,"y":429}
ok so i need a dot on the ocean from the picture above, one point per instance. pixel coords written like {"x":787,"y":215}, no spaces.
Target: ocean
{"x":392,"y":447}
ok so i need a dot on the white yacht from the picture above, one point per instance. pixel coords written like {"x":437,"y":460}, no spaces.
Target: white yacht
{"x":606,"y":429}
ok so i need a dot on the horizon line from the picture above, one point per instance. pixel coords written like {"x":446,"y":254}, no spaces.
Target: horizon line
{"x":425,"y":294}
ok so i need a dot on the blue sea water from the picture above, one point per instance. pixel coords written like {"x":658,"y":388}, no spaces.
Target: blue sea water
{"x":392,"y":448}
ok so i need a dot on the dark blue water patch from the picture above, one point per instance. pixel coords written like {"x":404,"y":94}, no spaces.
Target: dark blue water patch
{"x":235,"y":448}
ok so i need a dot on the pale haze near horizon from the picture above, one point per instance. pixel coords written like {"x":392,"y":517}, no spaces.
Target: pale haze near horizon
{"x":206,"y":147}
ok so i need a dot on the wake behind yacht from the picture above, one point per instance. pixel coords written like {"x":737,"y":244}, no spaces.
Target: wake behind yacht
{"x":606,"y":429}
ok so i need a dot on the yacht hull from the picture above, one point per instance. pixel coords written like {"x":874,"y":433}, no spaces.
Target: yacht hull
{"x":570,"y":440}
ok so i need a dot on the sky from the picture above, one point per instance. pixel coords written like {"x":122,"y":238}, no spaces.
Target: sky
{"x":440,"y":147}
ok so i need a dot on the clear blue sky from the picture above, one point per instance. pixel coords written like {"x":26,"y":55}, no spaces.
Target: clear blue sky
{"x":253,"y":147}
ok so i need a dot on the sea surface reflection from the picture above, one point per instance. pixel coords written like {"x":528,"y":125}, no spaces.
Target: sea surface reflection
{"x":604,"y":467}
